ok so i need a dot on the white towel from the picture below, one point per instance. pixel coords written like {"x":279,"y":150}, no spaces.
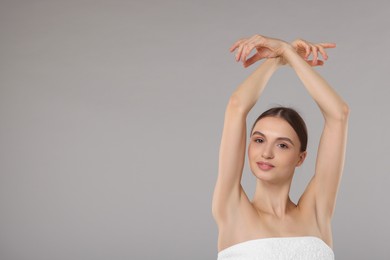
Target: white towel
{"x":281,"y":248}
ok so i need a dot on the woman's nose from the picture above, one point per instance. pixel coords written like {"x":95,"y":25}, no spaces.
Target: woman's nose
{"x":267,"y":153}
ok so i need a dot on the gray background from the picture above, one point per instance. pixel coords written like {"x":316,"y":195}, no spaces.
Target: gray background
{"x":111,"y":114}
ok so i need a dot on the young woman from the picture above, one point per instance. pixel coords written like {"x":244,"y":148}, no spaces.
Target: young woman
{"x":271,"y":226}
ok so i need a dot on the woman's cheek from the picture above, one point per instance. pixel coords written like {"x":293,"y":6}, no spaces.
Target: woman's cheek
{"x":292,"y":160}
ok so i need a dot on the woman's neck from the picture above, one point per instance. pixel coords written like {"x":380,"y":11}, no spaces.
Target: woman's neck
{"x":273,"y":199}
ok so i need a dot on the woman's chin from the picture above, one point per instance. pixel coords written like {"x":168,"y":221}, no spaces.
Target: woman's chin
{"x":264,"y":176}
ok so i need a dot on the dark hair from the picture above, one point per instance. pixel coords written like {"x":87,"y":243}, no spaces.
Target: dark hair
{"x":292,"y":117}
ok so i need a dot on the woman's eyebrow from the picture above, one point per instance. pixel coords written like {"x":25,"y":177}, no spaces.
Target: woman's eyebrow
{"x":279,"y":138}
{"x":258,"y":133}
{"x":285,"y":139}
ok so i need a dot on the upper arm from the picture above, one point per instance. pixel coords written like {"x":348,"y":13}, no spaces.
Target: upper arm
{"x":322,"y":190}
{"x":227,"y":191}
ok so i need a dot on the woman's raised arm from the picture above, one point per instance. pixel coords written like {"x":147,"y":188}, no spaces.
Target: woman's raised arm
{"x":228,"y":189}
{"x":322,"y":189}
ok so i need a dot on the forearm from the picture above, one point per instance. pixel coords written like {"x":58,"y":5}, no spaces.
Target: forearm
{"x":249,"y":91}
{"x":331,"y":104}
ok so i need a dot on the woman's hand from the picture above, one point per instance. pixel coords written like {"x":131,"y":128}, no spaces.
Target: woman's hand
{"x":305,"y":48}
{"x":266,"y":48}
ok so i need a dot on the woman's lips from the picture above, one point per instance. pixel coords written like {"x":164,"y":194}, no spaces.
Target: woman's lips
{"x":265,"y":166}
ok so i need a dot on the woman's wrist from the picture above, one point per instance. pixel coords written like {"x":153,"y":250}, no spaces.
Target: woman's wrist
{"x":281,"y":59}
{"x":289,"y":54}
{"x":286,"y":49}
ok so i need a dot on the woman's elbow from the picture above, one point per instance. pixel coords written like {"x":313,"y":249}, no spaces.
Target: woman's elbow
{"x":345,"y":110}
{"x":339,"y":113}
{"x":236,"y":104}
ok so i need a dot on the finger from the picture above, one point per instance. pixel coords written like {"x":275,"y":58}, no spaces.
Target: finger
{"x":328,"y":45}
{"x":323,"y":52}
{"x":301,"y":43}
{"x":314,"y":50}
{"x":252,"y":60}
{"x":248,"y":49}
{"x":243,"y":52}
{"x":307,"y":48}
{"x":318,"y":63}
{"x":239,"y":51}
{"x":252,"y":40}
{"x":235,"y":45}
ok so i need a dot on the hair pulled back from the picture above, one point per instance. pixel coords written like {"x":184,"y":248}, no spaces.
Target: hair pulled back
{"x":292,"y":117}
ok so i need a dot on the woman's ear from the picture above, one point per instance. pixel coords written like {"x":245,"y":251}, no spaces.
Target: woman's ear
{"x":302,"y":157}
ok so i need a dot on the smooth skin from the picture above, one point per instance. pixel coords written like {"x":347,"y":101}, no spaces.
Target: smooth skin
{"x":271,"y":213}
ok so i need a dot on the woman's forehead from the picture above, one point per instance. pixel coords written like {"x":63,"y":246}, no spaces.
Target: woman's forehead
{"x":274,"y":127}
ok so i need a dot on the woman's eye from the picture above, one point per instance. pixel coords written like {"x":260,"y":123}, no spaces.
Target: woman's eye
{"x":259,"y":140}
{"x":283,"y":146}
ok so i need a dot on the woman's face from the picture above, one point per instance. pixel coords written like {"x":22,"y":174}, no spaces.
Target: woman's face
{"x":274,"y":150}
